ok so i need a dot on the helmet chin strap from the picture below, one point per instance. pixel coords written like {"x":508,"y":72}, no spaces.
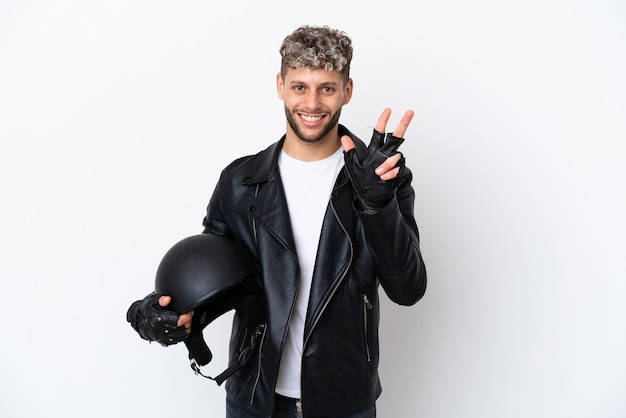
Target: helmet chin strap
{"x":200,"y":354}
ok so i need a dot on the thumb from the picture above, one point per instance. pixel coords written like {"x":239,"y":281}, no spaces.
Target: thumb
{"x":347,"y":143}
{"x":164,"y":301}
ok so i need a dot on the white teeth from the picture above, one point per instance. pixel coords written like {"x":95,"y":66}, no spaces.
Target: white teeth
{"x":311,"y":118}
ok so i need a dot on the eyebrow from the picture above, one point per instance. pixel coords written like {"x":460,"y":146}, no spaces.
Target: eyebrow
{"x":324,"y":84}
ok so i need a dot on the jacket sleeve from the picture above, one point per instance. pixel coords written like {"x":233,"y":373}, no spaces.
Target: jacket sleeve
{"x":393,"y":239}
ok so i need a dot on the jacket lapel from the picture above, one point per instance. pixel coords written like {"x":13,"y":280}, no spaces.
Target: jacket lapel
{"x":269,"y":208}
{"x":268,"y":204}
{"x":334,"y":255}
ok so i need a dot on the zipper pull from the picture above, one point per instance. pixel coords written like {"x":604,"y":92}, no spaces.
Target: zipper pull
{"x":367,"y":302}
{"x":299,"y":408}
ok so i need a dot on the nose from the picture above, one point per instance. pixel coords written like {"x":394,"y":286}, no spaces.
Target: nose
{"x":312,"y":100}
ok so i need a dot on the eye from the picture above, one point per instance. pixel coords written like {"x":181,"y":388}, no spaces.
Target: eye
{"x":328,"y":89}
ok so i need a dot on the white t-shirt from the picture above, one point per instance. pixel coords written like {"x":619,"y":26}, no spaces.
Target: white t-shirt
{"x":308,"y":186}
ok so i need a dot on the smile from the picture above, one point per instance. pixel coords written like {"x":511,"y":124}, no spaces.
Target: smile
{"x":309,"y":118}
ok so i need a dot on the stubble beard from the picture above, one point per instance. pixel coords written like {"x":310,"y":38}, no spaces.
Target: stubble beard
{"x":326,"y":129}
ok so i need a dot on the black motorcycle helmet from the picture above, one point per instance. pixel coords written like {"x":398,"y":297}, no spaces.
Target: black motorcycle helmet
{"x":211,"y":275}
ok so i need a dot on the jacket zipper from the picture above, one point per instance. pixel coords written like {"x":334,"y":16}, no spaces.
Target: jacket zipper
{"x":299,"y":408}
{"x":343,"y":275}
{"x":256,"y":193}
{"x":258,"y":372}
{"x":367,"y":305}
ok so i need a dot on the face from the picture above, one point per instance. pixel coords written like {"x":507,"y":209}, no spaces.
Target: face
{"x":313,"y":100}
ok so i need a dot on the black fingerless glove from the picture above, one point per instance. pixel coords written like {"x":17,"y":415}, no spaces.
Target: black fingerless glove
{"x":374,"y":193}
{"x":153,"y":322}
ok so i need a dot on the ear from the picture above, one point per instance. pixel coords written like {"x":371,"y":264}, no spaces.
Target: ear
{"x":348,"y":91}
{"x":280,"y":85}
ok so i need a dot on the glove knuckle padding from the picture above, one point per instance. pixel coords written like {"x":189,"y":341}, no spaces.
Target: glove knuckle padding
{"x":361,"y":163}
{"x":391,"y":145}
{"x":154,"y":323}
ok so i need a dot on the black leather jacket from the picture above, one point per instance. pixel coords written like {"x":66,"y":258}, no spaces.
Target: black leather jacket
{"x":357,"y":253}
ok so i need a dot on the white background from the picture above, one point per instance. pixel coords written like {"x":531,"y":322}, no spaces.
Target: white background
{"x":116,"y":118}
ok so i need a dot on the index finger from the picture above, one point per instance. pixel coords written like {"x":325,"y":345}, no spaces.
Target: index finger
{"x":403,"y":124}
{"x":381,"y":125}
{"x":184,"y":320}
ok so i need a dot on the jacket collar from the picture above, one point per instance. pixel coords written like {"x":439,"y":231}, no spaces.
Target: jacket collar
{"x":264,"y":167}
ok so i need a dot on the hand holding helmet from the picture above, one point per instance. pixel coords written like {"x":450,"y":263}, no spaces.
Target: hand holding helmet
{"x":200,"y":278}
{"x":154,"y":323}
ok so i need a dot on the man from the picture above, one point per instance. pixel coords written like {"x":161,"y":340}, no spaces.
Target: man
{"x":327,"y":220}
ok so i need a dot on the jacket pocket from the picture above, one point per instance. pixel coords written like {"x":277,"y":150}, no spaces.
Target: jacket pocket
{"x":367,"y":307}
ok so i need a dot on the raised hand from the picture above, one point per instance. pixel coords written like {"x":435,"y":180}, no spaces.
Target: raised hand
{"x":377,"y":171}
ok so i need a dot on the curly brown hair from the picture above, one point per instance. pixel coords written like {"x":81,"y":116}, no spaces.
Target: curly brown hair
{"x":317,"y":47}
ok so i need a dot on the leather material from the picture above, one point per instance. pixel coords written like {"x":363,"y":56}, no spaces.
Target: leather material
{"x":358,"y":252}
{"x":361,"y":162}
{"x":154,"y":323}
